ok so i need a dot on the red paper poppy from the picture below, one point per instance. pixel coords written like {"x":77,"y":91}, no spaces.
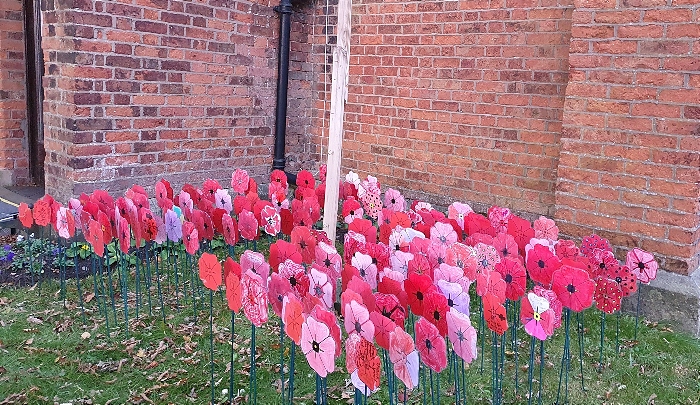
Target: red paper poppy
{"x":282,"y":250}
{"x":248,"y":225}
{"x":240,"y":181}
{"x":435,"y":308}
{"x":327,"y":258}
{"x":642,"y":264}
{"x":232,"y":281}
{"x":573,"y":288}
{"x":42,"y":212}
{"x":506,"y":246}
{"x":541,"y":264}
{"x":190,"y":237}
{"x":306,"y":179}
{"x":601,"y":262}
{"x":437,"y":254}
{"x":590,"y":243}
{"x":295,"y":274}
{"x":210,"y":271}
{"x":515,"y":276}
{"x":566,"y":249}
{"x":278,"y":288}
{"x":495,"y":314}
{"x":203,"y":221}
{"x":95,"y":238}
{"x":321,"y":195}
{"x":293,"y":317}
{"x":383,"y":327}
{"x":279,"y":177}
{"x":329,"y":319}
{"x":306,"y":244}
{"x":123,"y":235}
{"x":361,"y":287}
{"x":430,"y":345}
{"x":491,"y":282}
{"x":351,"y":210}
{"x":521,"y":230}
{"x":624,"y":277}
{"x":150,"y":227}
{"x":346,"y":275}
{"x":254,"y":298}
{"x":418,"y":286}
{"x":106,"y":224}
{"x":608,"y":295}
{"x":25,"y":215}
{"x":364,"y":227}
{"x":230,"y":229}
{"x":287,"y":221}
{"x":389,"y":305}
{"x":476,"y":223}
{"x":368,"y":365}
{"x":209,"y":188}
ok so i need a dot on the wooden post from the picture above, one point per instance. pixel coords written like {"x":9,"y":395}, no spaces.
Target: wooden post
{"x":339,"y":95}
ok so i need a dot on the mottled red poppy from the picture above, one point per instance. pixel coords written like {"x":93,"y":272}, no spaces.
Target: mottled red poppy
{"x":418,"y":286}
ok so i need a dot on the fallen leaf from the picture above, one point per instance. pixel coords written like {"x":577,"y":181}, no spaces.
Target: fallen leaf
{"x":29,"y":341}
{"x":89,"y":297}
{"x":34,"y":320}
{"x":85,"y":335}
{"x":652,"y":397}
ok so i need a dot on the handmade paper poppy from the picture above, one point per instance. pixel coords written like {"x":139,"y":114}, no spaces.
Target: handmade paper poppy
{"x":443,"y":234}
{"x":65,"y":224}
{"x":541,"y":264}
{"x":453,"y":274}
{"x":435,"y":310}
{"x":148,"y":225}
{"x":404,"y":357}
{"x":277,"y":288}
{"x":430,"y":345}
{"x":418,"y":286}
{"x":255,"y":262}
{"x":210,"y":271}
{"x":318,"y":346}
{"x":366,"y":267}
{"x":42,"y":212}
{"x":546,"y":228}
{"x":476,"y":223}
{"x":327,"y":257}
{"x":457,"y":297}
{"x":190,"y":237}
{"x":107,"y":228}
{"x":293,"y":317}
{"x":368,"y":365}
{"x":95,"y":238}
{"x":123,"y":234}
{"x":254,"y":298}
{"x":239,"y":181}
{"x":248,"y":225}
{"x":566,"y":249}
{"x":624,"y":277}
{"x":305,"y":179}
{"x":491,"y":282}
{"x":361,"y":287}
{"x":173,"y":226}
{"x":388,"y":285}
{"x":230,"y":229}
{"x":296,"y":275}
{"x":351,"y":210}
{"x":389,"y":306}
{"x":554,"y":303}
{"x":506,"y":246}
{"x":573,"y":288}
{"x":486,"y":257}
{"x":399,"y":261}
{"x":394,"y":200}
{"x":232,"y":281}
{"x":495,"y":314}
{"x":271,"y":220}
{"x":287,"y":221}
{"x":279,"y":177}
{"x":521,"y":230}
{"x":459,"y":212}
{"x":282,"y":250}
{"x":498,"y":216}
{"x":241,"y":203}
{"x":601,"y":262}
{"x":329,"y":319}
{"x":592,"y":242}
{"x":25,"y":215}
{"x":642,"y":264}
{"x":464,"y":257}
{"x":357,"y":320}
{"x":383,"y":327}
{"x":372,"y":203}
{"x":607,"y":295}
{"x":320,"y":287}
{"x":364,"y":227}
{"x":515,"y":277}
{"x":537,"y":316}
{"x":306,"y":244}
{"x":462,"y":335}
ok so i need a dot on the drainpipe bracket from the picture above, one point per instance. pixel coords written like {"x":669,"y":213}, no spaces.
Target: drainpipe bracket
{"x":283,"y":8}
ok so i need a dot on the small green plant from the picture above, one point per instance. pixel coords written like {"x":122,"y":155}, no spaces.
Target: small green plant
{"x":114,"y":255}
{"x":78,"y":249}
{"x":32,"y":254}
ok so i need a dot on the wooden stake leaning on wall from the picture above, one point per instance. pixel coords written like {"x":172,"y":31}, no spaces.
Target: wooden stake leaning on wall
{"x":339,"y":95}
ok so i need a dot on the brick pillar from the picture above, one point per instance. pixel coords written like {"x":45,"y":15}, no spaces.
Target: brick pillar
{"x":629,"y":167}
{"x":14,"y":156}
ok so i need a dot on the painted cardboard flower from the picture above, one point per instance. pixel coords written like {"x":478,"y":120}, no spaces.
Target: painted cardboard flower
{"x":537,"y":316}
{"x":435,"y":310}
{"x":601,"y":262}
{"x":173,"y":226}
{"x":327,"y":258}
{"x":330,"y":320}
{"x":554,"y":303}
{"x":495,"y":314}
{"x":491,"y":282}
{"x":25,"y":215}
{"x":607,"y":295}
{"x":389,"y":306}
{"x":566,"y":249}
{"x":280,"y":251}
{"x":592,"y":242}
{"x":321,"y":287}
{"x":241,"y":203}
{"x":498,"y":217}
{"x":642,"y":264}
{"x":65,"y":224}
{"x":232,"y":281}
{"x":42,"y":212}
{"x":230,"y":229}
{"x":248,"y":225}
{"x":573,"y":288}
{"x":486,"y":257}
{"x":372,"y":203}
{"x":515,"y":277}
{"x":210,"y":271}
{"x":357,"y":320}
{"x":296,"y":275}
{"x":239,"y":181}
{"x":464,"y":257}
{"x":404,"y":357}
{"x":476,"y":223}
{"x":318,"y":346}
{"x":521,"y":230}
{"x":462,"y":335}
{"x":399,"y":261}
{"x":293,"y":317}
{"x":222,"y":199}
{"x":360,"y":286}
{"x":430,"y":345}
{"x":352,"y":210}
{"x":279,"y":177}
{"x":368,"y":366}
{"x":418,"y":286}
{"x":306,"y":180}
{"x":457,"y":298}
{"x":271,"y":220}
{"x":541,"y":264}
{"x":190,"y":237}
{"x":123,"y":234}
{"x":546,"y":228}
{"x":149,"y":226}
{"x":368,"y":270}
{"x":277,"y":288}
{"x":443,"y":233}
{"x":459,"y":212}
{"x":383,"y":327}
{"x":107,"y":227}
{"x":96,"y":238}
{"x":624,"y":277}
{"x":254,"y":298}
{"x":394,"y":200}
{"x":255,"y":262}
{"x":305,"y":242}
{"x":506,"y":246}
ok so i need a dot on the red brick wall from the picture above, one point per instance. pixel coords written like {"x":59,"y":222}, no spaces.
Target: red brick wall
{"x":630,"y":159}
{"x":165,"y":88}
{"x":13,"y":142}
{"x":458,"y":100}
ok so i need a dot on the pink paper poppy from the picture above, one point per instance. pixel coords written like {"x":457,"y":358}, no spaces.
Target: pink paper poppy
{"x":173,"y":226}
{"x":248,"y":225}
{"x":566,"y":249}
{"x":254,"y":298}
{"x":592,"y":242}
{"x":277,"y":288}
{"x":352,"y":210}
{"x":546,"y":228}
{"x":318,"y":346}
{"x":399,"y":261}
{"x":352,"y":343}
{"x":123,"y":234}
{"x":443,"y":234}
{"x":486,"y":257}
{"x":65,"y":224}
{"x":464,"y":257}
{"x":394,"y":200}
{"x":462,"y":335}
{"x":404,"y":357}
{"x":357,"y":320}
{"x":271,"y":220}
{"x":230,"y":229}
{"x":239,"y":181}
{"x":327,"y":257}
{"x":642,"y":265}
{"x":459,"y":212}
{"x":372,"y":204}
{"x":457,"y":298}
{"x":366,"y":267}
{"x":255,"y":262}
{"x":521,"y":230}
{"x":222,"y":200}
{"x":321,"y":287}
{"x":491,"y":282}
{"x":506,"y":246}
{"x":430,"y":345}
{"x":190,"y":237}
{"x":498,"y":217}
{"x":305,"y":243}
{"x":537,"y":316}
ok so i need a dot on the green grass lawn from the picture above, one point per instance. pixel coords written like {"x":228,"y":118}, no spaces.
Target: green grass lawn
{"x":47,"y":355}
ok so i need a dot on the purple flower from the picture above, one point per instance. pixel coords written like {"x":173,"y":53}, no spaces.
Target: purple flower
{"x":173,"y":226}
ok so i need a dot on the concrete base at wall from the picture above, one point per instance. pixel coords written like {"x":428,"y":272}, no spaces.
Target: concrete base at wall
{"x":670,"y":298}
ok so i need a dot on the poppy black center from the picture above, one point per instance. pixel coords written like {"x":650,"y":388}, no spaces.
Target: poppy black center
{"x":641,"y":266}
{"x":398,"y":247}
{"x":358,"y":327}
{"x":419,"y":295}
{"x":460,"y":264}
{"x":362,"y":272}
{"x":509,"y":278}
{"x":327,"y":262}
{"x":436,"y":315}
{"x":540,"y":263}
{"x":440,"y":260}
{"x":293,"y":281}
{"x":352,"y":212}
{"x":302,"y":245}
{"x":601,"y":265}
{"x":428,"y":344}
{"x":315,"y":346}
{"x":505,"y":252}
{"x":450,"y":302}
{"x":570,"y":288}
{"x":393,"y":201}
{"x":618,"y":279}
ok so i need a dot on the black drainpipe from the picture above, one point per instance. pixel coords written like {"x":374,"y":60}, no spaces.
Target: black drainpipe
{"x":285,"y":10}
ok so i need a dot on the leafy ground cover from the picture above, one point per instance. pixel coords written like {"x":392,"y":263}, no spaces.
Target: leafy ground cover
{"x":48,"y":355}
